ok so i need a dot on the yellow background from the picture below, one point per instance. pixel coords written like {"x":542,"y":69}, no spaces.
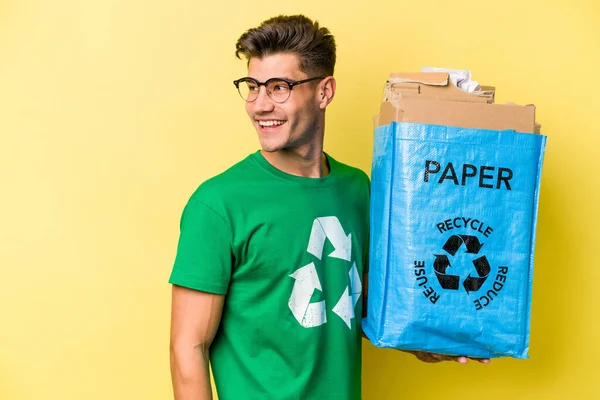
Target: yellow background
{"x":112,"y":112}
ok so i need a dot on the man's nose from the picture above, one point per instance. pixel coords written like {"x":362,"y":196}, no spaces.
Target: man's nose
{"x":263,"y":102}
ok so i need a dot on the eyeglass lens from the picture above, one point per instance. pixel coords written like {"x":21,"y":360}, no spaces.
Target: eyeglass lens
{"x":277,"y":89}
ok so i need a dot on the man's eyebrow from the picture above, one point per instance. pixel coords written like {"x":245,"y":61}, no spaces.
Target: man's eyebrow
{"x":285,"y":78}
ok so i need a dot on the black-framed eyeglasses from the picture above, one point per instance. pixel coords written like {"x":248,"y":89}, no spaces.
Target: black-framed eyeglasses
{"x":278,"y":89}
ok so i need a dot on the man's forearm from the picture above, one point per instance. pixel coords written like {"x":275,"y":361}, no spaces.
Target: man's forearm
{"x":190,"y":373}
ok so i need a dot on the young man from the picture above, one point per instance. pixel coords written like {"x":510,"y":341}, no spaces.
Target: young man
{"x":268,"y":277}
{"x":268,"y":274}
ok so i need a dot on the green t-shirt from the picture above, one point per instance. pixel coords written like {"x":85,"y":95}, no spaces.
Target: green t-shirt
{"x":289,"y":253}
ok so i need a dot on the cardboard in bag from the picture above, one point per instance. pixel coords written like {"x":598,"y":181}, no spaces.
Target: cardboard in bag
{"x":460,"y":114}
{"x":430,"y":98}
{"x":437,"y":84}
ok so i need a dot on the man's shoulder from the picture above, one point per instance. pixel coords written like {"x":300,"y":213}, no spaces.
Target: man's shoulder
{"x":347,"y":171}
{"x":226,"y":184}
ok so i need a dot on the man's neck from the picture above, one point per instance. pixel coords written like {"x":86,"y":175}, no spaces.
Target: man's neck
{"x":310,"y":163}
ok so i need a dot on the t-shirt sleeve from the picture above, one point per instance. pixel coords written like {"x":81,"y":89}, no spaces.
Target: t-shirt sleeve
{"x":204,"y":254}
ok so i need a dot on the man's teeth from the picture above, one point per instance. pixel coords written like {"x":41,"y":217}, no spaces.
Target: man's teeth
{"x":270,"y":123}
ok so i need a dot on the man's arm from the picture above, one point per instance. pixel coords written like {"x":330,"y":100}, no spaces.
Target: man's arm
{"x":195,"y":318}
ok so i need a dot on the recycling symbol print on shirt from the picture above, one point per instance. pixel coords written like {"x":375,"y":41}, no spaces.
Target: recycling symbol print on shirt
{"x":311,"y":315}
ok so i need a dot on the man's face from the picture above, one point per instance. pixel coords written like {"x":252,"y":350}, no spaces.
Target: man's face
{"x":294,"y":123}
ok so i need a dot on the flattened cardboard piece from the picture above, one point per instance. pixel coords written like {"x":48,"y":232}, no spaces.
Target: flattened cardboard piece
{"x":452,"y":91}
{"x":469,"y":115}
{"x":438,"y":96}
{"x":426,"y":78}
{"x":436,"y":84}
{"x":388,"y":113}
{"x":403,"y":87}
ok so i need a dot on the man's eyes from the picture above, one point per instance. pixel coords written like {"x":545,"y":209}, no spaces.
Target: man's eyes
{"x":273,"y":87}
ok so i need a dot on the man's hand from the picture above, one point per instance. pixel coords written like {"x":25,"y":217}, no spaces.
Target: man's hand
{"x":435,"y":358}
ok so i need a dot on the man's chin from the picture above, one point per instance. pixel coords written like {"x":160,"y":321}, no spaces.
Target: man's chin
{"x":271,"y":147}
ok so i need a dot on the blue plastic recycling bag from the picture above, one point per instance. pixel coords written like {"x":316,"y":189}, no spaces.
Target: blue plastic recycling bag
{"x":453,"y":218}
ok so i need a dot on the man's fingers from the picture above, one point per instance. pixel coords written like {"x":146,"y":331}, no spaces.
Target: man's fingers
{"x":425,"y":357}
{"x":459,"y":359}
{"x":436,"y":358}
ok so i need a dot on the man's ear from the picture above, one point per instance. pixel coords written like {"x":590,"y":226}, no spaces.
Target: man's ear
{"x":326,"y":92}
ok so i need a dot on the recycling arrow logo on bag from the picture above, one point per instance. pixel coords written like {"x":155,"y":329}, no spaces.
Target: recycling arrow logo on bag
{"x":471,"y":283}
{"x":311,"y":315}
